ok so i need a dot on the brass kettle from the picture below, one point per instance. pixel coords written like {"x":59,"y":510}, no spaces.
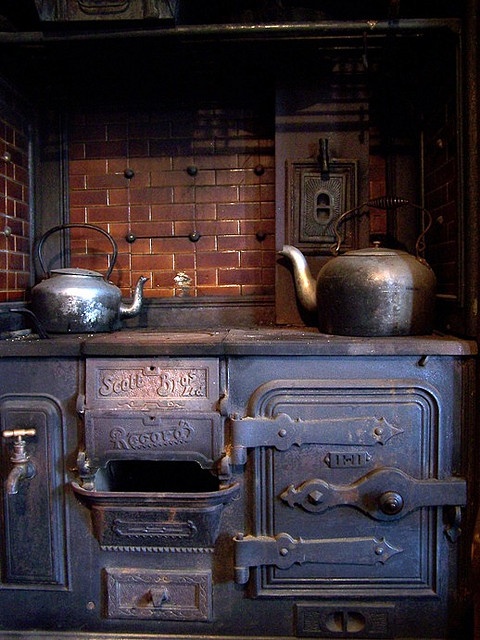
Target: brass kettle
{"x":369,"y":292}
{"x":80,"y":300}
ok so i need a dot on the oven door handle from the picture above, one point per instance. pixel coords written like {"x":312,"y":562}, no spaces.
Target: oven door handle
{"x":383,"y":494}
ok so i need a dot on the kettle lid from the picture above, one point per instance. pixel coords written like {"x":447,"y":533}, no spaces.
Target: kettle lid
{"x":67,"y":271}
{"x":378,"y":252}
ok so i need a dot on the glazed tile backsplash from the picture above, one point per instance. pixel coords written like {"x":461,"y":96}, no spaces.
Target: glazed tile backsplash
{"x":188,"y":195}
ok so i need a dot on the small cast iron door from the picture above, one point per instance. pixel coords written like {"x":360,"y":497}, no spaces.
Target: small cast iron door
{"x":350,"y":481}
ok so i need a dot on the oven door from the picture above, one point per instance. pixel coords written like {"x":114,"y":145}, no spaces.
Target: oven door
{"x":352,"y":491}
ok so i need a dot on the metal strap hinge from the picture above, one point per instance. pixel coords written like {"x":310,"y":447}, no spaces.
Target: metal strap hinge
{"x":282,"y":432}
{"x":283,"y":551}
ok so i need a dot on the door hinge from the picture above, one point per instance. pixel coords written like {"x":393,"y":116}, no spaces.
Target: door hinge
{"x":283,"y":551}
{"x":282,"y":432}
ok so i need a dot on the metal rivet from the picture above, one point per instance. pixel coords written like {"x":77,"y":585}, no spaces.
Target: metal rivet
{"x":259,"y":170}
{"x":129,"y":173}
{"x":379,"y":551}
{"x":192,"y":170}
{"x":315,"y":497}
{"x":284,"y":551}
{"x":282,"y":433}
{"x":194,"y":236}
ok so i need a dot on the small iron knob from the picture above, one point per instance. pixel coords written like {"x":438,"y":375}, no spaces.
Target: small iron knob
{"x":391,"y":503}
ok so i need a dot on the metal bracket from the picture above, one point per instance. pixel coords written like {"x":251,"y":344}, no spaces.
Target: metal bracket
{"x":383,"y":494}
{"x":85,"y":470}
{"x":283,"y":551}
{"x":282,"y":431}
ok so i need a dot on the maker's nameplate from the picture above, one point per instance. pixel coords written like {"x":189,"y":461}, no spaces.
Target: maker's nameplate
{"x":152,"y":384}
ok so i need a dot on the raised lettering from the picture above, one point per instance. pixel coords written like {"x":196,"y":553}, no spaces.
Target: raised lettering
{"x":151,"y":439}
{"x":106,"y":387}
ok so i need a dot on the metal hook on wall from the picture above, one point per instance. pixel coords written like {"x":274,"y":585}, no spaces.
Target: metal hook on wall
{"x":323,"y":158}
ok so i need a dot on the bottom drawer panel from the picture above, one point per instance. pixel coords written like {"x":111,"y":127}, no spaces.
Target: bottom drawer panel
{"x":159,"y":595}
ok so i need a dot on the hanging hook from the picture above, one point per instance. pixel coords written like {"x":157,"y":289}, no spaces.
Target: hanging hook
{"x":323,"y":158}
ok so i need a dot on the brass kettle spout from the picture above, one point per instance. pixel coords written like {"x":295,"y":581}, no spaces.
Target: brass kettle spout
{"x":23,"y":468}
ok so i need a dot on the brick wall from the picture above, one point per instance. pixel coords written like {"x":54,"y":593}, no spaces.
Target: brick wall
{"x":229,"y":201}
{"x":14,"y":208}
{"x":441,"y":198}
{"x":209,"y":171}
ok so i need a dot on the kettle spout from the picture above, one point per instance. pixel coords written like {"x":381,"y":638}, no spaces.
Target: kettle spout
{"x":133,"y":309}
{"x":305,"y":284}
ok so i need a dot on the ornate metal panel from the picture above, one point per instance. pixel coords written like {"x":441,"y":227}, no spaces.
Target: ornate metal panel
{"x":73,"y":10}
{"x":144,"y":594}
{"x":156,"y":521}
{"x":33,"y":539}
{"x":158,"y":383}
{"x":316,"y":200}
{"x":154,"y":435}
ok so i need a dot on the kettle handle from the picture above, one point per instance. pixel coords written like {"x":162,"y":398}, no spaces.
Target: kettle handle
{"x":384,"y":202}
{"x":60,"y":227}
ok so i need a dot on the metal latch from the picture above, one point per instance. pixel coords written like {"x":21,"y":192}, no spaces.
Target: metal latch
{"x":384,"y":494}
{"x":283,"y":551}
{"x":282,"y":431}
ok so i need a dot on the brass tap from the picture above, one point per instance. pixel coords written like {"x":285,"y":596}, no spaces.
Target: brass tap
{"x":23,"y":468}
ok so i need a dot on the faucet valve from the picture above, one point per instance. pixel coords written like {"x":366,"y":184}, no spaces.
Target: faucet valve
{"x":23,"y":468}
{"x":18,"y":433}
{"x":19,"y":454}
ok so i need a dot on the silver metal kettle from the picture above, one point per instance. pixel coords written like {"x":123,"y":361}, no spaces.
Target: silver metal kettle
{"x":80,"y":300}
{"x":369,"y":292}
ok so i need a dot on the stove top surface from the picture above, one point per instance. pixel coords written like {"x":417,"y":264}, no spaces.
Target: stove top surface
{"x":299,"y":341}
